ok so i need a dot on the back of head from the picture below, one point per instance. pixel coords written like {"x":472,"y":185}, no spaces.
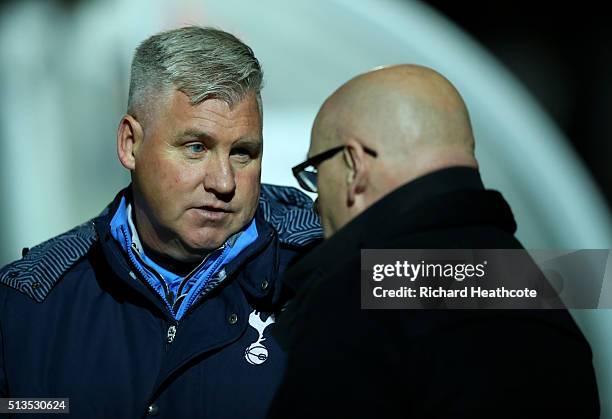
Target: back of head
{"x":413,"y":120}
{"x":203,"y":63}
{"x":411,"y":115}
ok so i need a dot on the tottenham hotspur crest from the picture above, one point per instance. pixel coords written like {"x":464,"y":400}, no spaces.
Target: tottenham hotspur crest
{"x":256,"y":353}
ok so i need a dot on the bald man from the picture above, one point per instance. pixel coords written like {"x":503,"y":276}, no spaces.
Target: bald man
{"x":392,"y":159}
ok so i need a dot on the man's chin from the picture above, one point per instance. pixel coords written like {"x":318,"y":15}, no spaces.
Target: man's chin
{"x":201,"y":240}
{"x":205,"y":242}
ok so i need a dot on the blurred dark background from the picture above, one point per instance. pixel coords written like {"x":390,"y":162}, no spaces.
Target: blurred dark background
{"x":563,"y":55}
{"x":64,"y":71}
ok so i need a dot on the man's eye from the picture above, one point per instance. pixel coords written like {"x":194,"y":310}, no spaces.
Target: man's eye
{"x":196,"y":148}
{"x":241,"y":153}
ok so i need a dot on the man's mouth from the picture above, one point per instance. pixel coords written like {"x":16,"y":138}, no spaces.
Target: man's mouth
{"x":212,"y":213}
{"x":214,"y":208}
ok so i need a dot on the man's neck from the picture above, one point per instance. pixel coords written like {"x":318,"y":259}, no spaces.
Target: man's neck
{"x":177,"y":267}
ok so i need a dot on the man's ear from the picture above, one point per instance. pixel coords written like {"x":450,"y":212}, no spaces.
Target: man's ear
{"x":357,"y":178}
{"x":129,"y":138}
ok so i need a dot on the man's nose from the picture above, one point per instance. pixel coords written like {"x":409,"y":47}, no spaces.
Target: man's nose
{"x":219,"y":177}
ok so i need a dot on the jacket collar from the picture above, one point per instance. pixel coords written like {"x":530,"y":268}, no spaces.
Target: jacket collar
{"x":284,"y":216}
{"x":443,"y":199}
{"x":286,"y":210}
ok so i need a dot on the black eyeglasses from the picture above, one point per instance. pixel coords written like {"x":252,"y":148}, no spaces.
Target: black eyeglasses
{"x":306,"y":172}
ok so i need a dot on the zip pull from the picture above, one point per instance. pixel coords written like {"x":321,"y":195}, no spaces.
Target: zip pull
{"x":176,"y":304}
{"x":171,"y":333}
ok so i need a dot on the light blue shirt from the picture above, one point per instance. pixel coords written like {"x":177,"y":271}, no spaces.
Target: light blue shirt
{"x":167,"y":283}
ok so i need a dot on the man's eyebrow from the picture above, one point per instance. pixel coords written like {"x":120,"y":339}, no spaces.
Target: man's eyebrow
{"x":202,"y":135}
{"x":253,"y":142}
{"x":194,"y":133}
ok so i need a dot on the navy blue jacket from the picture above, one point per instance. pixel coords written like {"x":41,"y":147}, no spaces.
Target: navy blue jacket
{"x":75,"y":321}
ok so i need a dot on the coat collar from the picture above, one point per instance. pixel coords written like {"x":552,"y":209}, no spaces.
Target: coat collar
{"x":286,"y":210}
{"x":442,"y":199}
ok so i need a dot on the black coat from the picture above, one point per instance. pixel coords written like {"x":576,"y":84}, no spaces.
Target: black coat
{"x":347,"y":362}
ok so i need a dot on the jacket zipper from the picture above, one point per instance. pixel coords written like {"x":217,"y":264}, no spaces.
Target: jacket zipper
{"x":202,"y":284}
{"x":171,"y":333}
{"x":143,"y":276}
{"x":196,"y":300}
{"x":167,"y":292}
{"x":179,"y":293}
{"x":171,"y":330}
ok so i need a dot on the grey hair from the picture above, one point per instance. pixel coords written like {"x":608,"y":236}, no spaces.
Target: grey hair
{"x":204,"y":63}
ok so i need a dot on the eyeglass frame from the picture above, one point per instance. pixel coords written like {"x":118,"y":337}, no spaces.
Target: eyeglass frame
{"x":318,"y":159}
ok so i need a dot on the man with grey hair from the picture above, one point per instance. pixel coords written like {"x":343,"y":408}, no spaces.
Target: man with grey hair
{"x":162,"y":304}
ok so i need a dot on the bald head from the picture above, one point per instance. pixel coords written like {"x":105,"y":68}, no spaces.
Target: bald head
{"x":403,"y":112}
{"x":410,"y":115}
